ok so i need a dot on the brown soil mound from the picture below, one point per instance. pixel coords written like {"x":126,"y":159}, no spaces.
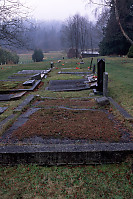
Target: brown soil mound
{"x":73,"y":103}
{"x":62,"y":123}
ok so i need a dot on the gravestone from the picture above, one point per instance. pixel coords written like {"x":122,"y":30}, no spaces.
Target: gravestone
{"x":100,"y":71}
{"x":105,"y":84}
{"x":36,"y":76}
{"x":52,"y":64}
{"x":91,"y":63}
{"x":94,"y":69}
{"x":29,"y":83}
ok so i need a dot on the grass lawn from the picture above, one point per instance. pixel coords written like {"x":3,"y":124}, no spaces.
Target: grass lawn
{"x":91,"y":182}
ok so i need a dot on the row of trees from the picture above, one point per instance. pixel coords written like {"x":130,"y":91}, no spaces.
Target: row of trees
{"x":118,"y":29}
{"x":113,"y":29}
{"x":7,"y":57}
{"x":79,"y":33}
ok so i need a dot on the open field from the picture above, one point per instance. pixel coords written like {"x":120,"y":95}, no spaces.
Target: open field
{"x":93,"y":182}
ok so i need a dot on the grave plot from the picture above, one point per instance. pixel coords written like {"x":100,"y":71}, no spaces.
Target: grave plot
{"x":18,"y":86}
{"x":2,"y":109}
{"x":25,"y":80}
{"x":71,"y":119}
{"x":7,"y":97}
{"x":68,"y":85}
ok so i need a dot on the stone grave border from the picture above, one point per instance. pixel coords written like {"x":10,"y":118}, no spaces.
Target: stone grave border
{"x":60,"y":153}
{"x":21,"y":90}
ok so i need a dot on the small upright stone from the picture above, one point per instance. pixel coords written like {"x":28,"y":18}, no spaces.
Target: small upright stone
{"x":100,"y":71}
{"x":29,"y":83}
{"x":102,"y":101}
{"x":105,"y":84}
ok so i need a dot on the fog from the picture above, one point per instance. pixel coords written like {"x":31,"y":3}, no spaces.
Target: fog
{"x":59,"y":9}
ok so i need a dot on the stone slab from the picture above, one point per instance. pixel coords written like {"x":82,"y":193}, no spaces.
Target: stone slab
{"x":21,"y":90}
{"x":68,"y":85}
{"x":83,"y":147}
{"x":64,"y":154}
{"x":120,"y":109}
{"x":75,"y":73}
{"x":18,"y":95}
{"x":33,"y":71}
{"x":2,"y":109}
{"x":5,"y":97}
{"x":29,"y":83}
{"x":102,"y":101}
{"x":24,"y":103}
{"x":19,"y":77}
{"x":6,"y":120}
{"x":37,"y":76}
{"x":8,"y":97}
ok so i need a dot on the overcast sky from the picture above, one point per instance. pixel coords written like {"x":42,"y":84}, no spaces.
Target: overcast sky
{"x":60,"y":9}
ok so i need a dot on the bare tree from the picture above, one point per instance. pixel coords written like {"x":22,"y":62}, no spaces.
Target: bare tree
{"x":108,"y":3}
{"x":78,"y":33}
{"x":12,"y":15}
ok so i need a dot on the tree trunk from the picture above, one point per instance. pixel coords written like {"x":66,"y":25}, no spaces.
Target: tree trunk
{"x":118,"y":20}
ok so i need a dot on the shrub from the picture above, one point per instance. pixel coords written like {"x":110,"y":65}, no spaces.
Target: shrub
{"x":72,"y":53}
{"x":8,"y":57}
{"x":130,"y":52}
{"x":37,"y":55}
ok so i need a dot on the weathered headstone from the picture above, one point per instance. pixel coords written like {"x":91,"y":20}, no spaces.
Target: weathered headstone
{"x":52,"y":64}
{"x":91,"y":63}
{"x":36,"y":76}
{"x":29,"y":83}
{"x":94,"y":69}
{"x":100,"y":71}
{"x":105,"y":84}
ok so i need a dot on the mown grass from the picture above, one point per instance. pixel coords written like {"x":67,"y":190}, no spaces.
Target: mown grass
{"x":94,"y":182}
{"x":102,"y":181}
{"x":121,"y":81}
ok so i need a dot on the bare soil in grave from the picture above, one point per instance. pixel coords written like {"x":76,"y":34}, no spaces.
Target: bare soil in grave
{"x":70,"y":103}
{"x":73,"y":124}
{"x":13,"y":85}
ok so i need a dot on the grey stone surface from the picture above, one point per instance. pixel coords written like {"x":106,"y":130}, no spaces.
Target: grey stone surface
{"x":105,"y":84}
{"x":29,"y":83}
{"x":3,"y":122}
{"x":68,"y":85}
{"x":22,"y":119}
{"x":120,"y":109}
{"x":102,"y":101}
{"x":18,"y":95}
{"x":21,"y":90}
{"x":36,"y":76}
{"x":83,"y":147}
{"x":19,"y":77}
{"x":34,"y":71}
{"x":75,"y":73}
{"x":5,"y":97}
{"x":2,"y":109}
{"x":24,"y":103}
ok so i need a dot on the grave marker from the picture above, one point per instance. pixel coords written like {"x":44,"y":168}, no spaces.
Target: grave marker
{"x":105,"y":84}
{"x":94,"y":69}
{"x":100,"y":71}
{"x":52,"y":64}
{"x":91,"y":63}
{"x":29,"y":83}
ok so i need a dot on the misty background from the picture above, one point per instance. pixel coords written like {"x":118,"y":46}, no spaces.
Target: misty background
{"x":43,"y":26}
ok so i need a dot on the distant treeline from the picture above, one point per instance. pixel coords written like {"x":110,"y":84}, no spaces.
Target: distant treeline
{"x":7,"y":57}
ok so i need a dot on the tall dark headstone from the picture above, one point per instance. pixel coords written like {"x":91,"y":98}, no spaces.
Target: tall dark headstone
{"x":91,"y":63}
{"x":52,"y":64}
{"x":94,"y":69}
{"x":100,"y":71}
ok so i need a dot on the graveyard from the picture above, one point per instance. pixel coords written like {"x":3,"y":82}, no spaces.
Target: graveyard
{"x":66,"y":113}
